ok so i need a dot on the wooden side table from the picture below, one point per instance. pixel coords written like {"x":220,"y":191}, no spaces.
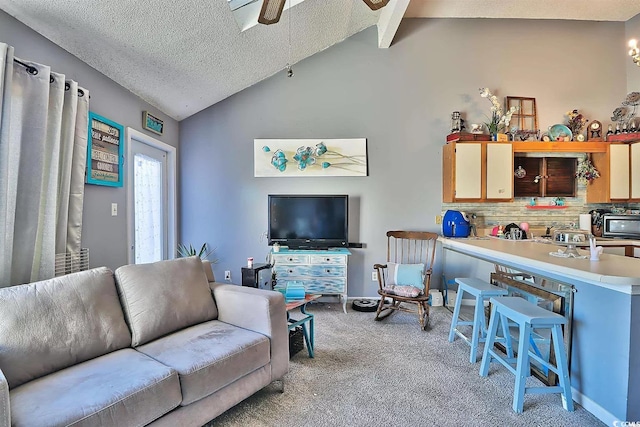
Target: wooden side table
{"x":308,"y":318}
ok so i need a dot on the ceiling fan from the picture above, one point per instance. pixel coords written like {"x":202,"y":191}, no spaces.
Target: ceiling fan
{"x":272,"y":9}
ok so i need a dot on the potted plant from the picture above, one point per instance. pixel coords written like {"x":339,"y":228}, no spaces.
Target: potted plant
{"x":204,"y":252}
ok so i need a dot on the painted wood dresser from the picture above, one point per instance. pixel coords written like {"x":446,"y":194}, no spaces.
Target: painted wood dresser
{"x":320,"y":271}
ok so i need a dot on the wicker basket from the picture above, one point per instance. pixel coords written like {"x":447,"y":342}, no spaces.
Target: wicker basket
{"x":296,"y":341}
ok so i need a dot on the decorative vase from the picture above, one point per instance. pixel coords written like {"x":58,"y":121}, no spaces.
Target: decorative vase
{"x":494,"y":136}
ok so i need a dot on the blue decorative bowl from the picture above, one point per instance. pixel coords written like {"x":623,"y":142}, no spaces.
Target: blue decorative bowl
{"x":560,"y":132}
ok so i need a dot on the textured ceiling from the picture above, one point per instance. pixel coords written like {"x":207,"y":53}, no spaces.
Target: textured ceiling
{"x":182,"y":56}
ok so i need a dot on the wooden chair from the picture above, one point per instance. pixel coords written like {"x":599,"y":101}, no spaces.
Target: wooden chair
{"x":406,"y":247}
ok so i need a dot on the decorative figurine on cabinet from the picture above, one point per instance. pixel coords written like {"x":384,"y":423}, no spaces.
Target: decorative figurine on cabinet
{"x":457,"y":122}
{"x":594,"y":131}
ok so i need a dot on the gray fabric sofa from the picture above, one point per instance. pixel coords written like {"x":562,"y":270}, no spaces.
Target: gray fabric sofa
{"x":152,"y":344}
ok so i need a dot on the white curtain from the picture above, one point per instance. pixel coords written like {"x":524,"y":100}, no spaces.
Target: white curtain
{"x":43,"y":143}
{"x":148,"y":218}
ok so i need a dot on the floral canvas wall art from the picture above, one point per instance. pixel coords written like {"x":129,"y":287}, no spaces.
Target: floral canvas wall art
{"x":310,"y":157}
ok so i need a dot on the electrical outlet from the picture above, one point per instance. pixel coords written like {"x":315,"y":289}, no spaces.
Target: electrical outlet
{"x":374,"y":276}
{"x":227,"y":275}
{"x":438,"y":219}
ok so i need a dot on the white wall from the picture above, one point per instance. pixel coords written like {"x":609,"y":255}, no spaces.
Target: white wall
{"x":632,"y":29}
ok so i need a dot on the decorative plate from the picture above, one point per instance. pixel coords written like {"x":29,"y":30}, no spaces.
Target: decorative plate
{"x":560,"y":132}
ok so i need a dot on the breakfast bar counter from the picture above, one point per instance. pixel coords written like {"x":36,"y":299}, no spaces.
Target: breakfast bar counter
{"x":605,"y":348}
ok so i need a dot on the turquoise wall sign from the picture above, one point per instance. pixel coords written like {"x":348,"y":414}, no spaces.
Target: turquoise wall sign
{"x":104,"y":151}
{"x":152,"y":123}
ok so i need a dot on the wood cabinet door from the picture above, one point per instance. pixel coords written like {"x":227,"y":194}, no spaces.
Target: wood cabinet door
{"x":560,"y":174}
{"x":619,"y":171}
{"x":499,"y":171}
{"x":635,"y":170}
{"x":468,"y":175}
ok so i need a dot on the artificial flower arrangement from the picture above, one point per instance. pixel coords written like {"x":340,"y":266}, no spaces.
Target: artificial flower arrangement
{"x":586,"y":172}
{"x":575,"y":121}
{"x":498,"y":121}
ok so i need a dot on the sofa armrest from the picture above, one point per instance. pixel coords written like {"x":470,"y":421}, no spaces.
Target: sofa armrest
{"x":5,"y":408}
{"x":260,"y":311}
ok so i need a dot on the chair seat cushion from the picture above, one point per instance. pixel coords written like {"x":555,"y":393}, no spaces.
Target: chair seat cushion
{"x":210,"y":356}
{"x":123,"y":388}
{"x":403,"y":291}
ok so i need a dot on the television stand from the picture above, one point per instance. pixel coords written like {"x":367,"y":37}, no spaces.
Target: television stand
{"x":321,"y":271}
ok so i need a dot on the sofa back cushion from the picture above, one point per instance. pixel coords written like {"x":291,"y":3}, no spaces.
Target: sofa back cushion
{"x":49,"y":325}
{"x":163,"y":297}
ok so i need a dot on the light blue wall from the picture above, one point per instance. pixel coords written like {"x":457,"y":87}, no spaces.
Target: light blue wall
{"x":633,"y":405}
{"x":104,"y":235}
{"x":401,"y":100}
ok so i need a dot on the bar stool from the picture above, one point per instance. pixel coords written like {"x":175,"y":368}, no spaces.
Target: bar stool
{"x":481,"y":291}
{"x":527,"y":316}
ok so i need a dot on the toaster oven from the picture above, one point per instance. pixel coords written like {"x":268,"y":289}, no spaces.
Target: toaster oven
{"x":621,"y":226}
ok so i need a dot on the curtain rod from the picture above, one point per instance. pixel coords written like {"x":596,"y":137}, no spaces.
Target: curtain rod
{"x":34,"y":71}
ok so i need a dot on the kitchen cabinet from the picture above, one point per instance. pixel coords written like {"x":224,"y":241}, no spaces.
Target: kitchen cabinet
{"x":619,"y":169}
{"x":545,"y":177}
{"x":477,"y":171}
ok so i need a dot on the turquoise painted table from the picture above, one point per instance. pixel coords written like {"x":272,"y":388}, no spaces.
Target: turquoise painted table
{"x":308,"y":318}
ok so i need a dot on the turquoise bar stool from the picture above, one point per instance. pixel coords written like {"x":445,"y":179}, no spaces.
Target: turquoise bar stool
{"x":528,"y":316}
{"x":482,"y":291}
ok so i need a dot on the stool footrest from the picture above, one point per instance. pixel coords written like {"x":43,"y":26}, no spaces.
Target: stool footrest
{"x":504,"y":361}
{"x":543,"y":362}
{"x":544,"y":390}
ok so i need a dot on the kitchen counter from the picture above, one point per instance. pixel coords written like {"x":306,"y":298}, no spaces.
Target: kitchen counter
{"x":615,"y":272}
{"x":605,"y":347}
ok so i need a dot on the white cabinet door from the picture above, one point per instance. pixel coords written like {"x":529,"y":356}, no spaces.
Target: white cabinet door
{"x":468,"y":171}
{"x":499,"y":171}
{"x":635,"y":170}
{"x":619,"y":171}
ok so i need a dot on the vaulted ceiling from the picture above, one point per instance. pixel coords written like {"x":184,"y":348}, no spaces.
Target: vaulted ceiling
{"x":183,"y":56}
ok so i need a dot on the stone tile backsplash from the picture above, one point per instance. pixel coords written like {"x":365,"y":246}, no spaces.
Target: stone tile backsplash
{"x":503,"y":213}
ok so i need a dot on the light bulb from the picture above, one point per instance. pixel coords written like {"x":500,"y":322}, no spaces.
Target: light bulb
{"x":633,"y":43}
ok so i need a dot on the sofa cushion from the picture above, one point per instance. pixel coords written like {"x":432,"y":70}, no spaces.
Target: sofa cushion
{"x":163,"y":297}
{"x":50,"y":325}
{"x":210,"y":356}
{"x":123,"y":388}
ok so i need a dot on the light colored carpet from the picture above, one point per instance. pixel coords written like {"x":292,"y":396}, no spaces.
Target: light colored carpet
{"x":368,"y":373}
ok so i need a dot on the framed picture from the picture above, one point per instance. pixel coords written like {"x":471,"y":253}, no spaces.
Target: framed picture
{"x":104,"y":151}
{"x":152,"y":123}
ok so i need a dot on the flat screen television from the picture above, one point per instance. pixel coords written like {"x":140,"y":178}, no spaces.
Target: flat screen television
{"x":309,"y":221}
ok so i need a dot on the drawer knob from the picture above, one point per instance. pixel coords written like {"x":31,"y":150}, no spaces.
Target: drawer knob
{"x":290,"y":259}
{"x":328,"y":271}
{"x":328,"y":259}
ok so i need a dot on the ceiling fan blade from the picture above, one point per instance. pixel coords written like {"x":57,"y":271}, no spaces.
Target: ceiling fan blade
{"x":271,"y":11}
{"x":376,"y":4}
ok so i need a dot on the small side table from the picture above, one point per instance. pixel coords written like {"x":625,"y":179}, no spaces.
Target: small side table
{"x":251,"y":276}
{"x":308,"y":318}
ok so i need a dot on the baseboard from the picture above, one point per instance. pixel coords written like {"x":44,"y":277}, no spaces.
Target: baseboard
{"x":598,"y":411}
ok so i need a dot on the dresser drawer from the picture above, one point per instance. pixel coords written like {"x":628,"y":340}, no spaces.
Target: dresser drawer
{"x":318,"y":285}
{"x":308,"y":271}
{"x":328,"y":259}
{"x":290,"y":259}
